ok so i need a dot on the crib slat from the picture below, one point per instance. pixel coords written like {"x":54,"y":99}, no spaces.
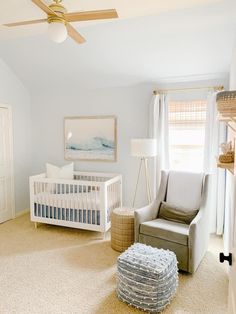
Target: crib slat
{"x":53,"y":203}
{"x":91,"y":204}
{"x":86,"y":218}
{"x":96,"y":197}
{"x":66,"y":204}
{"x":56,"y":202}
{"x":72,"y":201}
{"x":117,"y":195}
{"x":94,"y":206}
{"x":39,"y":199}
{"x":41,"y":207}
{"x":81,"y":202}
{"x":37,"y":204}
{"x":113,"y":197}
{"x":57,"y":207}
{"x":109,"y":200}
{"x":77,"y":204}
{"x":43,"y":200}
{"x":61,"y":203}
{"x":65,"y":201}
{"x":46,"y":200}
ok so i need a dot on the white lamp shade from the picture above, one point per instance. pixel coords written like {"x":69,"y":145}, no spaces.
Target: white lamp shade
{"x":143,"y":147}
{"x":57,"y":32}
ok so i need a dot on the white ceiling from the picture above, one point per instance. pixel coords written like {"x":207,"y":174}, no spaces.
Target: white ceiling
{"x":179,"y":38}
{"x":21,"y":10}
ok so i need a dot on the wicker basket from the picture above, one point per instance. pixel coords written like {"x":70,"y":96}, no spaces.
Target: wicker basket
{"x":122,"y":228}
{"x":227,"y":158}
{"x":226,"y":103}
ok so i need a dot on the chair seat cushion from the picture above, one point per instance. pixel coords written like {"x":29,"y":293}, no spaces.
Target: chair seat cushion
{"x":166,"y":230}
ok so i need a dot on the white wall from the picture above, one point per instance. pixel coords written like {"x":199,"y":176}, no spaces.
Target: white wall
{"x":41,"y":118}
{"x":129,"y":104}
{"x":233,"y":71}
{"x":13,"y":93}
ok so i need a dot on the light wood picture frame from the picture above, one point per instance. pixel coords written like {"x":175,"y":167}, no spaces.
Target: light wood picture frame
{"x":91,"y":138}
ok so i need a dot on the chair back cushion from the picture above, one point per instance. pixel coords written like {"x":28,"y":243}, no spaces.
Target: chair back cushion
{"x":184,"y":189}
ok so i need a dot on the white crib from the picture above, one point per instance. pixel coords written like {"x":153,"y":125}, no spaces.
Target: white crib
{"x":85,"y":202}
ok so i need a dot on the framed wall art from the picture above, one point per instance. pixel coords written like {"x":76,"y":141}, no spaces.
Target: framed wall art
{"x":92,"y":138}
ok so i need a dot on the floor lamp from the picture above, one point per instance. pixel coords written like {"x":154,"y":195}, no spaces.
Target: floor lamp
{"x":143,"y":148}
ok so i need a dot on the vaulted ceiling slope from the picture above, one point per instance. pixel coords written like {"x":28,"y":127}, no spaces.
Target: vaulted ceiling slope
{"x":15,"y":10}
{"x":193,"y":38}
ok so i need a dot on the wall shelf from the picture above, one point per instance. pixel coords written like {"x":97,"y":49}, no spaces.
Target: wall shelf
{"x":227,"y":166}
{"x":226,"y":106}
{"x":230,"y":120}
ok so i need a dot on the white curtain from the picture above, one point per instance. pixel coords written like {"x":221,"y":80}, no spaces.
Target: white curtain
{"x":159,"y":129}
{"x":215,"y":134}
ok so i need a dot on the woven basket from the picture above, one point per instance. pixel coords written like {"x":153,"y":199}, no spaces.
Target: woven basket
{"x":226,"y":103}
{"x":122,"y":228}
{"x":227,"y":158}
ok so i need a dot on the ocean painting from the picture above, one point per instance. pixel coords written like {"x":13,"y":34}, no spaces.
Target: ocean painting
{"x":90,"y":138}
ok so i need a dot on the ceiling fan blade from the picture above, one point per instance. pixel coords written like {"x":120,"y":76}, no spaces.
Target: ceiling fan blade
{"x":43,"y":7}
{"x":72,"y":32}
{"x":25,"y":23}
{"x":91,"y":15}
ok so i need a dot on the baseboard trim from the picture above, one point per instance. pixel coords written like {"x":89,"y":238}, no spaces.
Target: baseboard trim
{"x":22,"y":212}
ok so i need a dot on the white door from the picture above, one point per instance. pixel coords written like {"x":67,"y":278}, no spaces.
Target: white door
{"x":230,"y":234}
{"x":6,"y":165}
{"x":232,"y":249}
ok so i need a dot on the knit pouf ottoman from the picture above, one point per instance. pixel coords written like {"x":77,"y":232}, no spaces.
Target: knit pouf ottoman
{"x":122,"y":228}
{"x":147,"y":277}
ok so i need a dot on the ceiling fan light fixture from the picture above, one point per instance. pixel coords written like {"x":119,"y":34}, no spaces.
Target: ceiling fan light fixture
{"x":59,"y":20}
{"x":57,"y":31}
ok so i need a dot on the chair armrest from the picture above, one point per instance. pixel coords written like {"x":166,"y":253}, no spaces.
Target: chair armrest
{"x":197,"y":220}
{"x":144,"y":214}
{"x":199,"y":234}
{"x":198,"y":239}
{"x":201,"y":221}
{"x":150,"y":211}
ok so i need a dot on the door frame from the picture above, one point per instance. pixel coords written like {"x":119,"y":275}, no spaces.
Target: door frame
{"x":12,"y":201}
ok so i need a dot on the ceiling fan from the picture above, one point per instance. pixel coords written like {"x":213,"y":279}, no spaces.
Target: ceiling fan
{"x":59,"y":20}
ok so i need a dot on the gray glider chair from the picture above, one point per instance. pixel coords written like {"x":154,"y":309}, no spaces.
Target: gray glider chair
{"x":178,"y":219}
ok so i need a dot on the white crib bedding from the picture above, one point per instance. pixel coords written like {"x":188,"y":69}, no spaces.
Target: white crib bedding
{"x":86,"y":200}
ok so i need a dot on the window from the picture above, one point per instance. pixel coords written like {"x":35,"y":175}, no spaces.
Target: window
{"x":187,"y":134}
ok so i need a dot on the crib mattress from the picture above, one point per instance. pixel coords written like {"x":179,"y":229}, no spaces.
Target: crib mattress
{"x":70,"y":200}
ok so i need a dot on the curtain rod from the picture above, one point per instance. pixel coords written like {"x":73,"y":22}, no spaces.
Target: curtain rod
{"x":215,"y":88}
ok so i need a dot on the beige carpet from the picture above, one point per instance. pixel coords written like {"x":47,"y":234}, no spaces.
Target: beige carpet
{"x":61,"y":270}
